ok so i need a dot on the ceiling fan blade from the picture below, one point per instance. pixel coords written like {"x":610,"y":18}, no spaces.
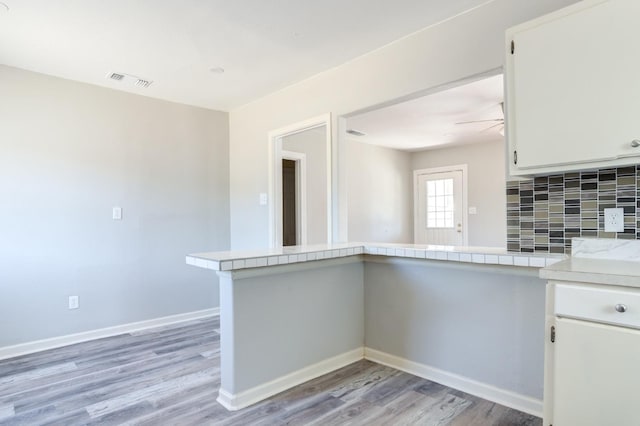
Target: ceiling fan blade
{"x":491,"y":127}
{"x":481,"y":121}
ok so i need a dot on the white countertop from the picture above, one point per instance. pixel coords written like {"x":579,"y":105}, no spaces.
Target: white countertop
{"x":595,"y":271}
{"x":599,"y":261}
{"x":235,"y":260}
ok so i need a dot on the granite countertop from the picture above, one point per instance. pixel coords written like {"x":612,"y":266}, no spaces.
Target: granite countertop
{"x":235,"y":260}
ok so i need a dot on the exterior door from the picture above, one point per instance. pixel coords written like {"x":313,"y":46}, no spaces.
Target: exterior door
{"x":440,"y":208}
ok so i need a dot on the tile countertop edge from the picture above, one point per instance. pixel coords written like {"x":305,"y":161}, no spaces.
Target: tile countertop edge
{"x":236,"y":260}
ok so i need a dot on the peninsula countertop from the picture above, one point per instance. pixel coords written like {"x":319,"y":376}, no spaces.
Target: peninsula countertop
{"x":244,"y":259}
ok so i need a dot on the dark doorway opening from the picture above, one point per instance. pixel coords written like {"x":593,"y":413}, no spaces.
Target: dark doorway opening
{"x":289,"y":193}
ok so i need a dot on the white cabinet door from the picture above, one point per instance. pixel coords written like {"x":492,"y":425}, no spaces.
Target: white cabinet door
{"x":596,"y":375}
{"x":573,"y":88}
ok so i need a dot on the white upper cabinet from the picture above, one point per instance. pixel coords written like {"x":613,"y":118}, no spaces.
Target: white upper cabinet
{"x":573,"y":88}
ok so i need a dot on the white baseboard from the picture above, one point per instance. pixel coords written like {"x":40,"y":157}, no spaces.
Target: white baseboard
{"x":248,"y":397}
{"x":56,"y":342}
{"x":491,"y":393}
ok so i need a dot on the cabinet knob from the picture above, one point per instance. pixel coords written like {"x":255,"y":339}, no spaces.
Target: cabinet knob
{"x":635,"y":143}
{"x":621,"y":308}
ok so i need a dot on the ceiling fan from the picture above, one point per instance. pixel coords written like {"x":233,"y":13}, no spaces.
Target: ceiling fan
{"x":497,"y":121}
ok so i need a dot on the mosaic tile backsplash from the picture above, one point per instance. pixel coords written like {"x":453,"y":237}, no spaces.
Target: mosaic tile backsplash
{"x":544,"y":213}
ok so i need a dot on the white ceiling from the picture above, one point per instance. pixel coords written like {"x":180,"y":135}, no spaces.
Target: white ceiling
{"x":430,"y":121}
{"x":262,"y":45}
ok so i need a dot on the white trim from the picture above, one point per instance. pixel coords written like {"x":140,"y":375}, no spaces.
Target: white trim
{"x":491,"y":393}
{"x":341,"y":163}
{"x":248,"y":397}
{"x":70,"y":339}
{"x":301,"y":194}
{"x":465,"y":186}
{"x":275,"y":174}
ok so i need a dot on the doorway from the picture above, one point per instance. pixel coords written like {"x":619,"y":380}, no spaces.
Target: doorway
{"x":440,"y":206}
{"x":289,"y":203}
{"x":308,"y":144}
{"x":294,"y":198}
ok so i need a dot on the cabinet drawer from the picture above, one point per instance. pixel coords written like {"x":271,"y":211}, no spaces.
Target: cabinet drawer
{"x":599,"y":304}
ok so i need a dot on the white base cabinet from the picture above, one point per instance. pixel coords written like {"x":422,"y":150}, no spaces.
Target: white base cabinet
{"x":592,"y":359}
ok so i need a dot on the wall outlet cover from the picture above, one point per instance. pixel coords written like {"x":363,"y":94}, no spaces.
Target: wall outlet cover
{"x":614,"y":220}
{"x":74,"y":303}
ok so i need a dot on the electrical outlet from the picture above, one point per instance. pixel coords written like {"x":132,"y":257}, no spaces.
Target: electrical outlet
{"x":74,"y":303}
{"x":613,"y":220}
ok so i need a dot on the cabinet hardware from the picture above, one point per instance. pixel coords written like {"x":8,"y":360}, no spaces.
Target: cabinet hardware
{"x":635,"y":143}
{"x":553,"y":334}
{"x":513,"y":47}
{"x":515,"y":157}
{"x":621,"y":308}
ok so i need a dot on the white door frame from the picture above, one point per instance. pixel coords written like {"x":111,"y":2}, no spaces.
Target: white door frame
{"x":301,"y":193}
{"x":465,"y":211}
{"x":275,"y":174}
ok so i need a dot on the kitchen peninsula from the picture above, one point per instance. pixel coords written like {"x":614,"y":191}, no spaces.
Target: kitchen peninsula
{"x":468,"y":317}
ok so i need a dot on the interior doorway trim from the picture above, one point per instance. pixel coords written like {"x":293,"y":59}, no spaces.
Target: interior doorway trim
{"x":465,"y":210}
{"x":301,"y":193}
{"x":275,"y":174}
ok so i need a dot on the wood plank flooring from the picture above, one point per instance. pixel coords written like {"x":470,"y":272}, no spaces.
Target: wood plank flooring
{"x":171,"y":375}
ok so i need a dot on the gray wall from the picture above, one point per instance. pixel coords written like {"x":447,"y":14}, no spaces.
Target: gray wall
{"x":481,"y":322}
{"x":380,"y":190}
{"x":313,"y":143}
{"x":379,"y":194}
{"x":69,"y":152}
{"x":288,"y":318}
{"x":486,"y":186}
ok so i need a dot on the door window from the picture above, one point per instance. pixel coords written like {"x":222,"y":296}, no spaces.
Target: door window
{"x":440,"y":204}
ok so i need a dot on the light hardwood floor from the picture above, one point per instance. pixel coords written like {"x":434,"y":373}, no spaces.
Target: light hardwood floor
{"x":170,"y":376}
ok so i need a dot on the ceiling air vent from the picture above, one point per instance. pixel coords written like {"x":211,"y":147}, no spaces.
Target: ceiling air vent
{"x":143,"y":83}
{"x":129,"y":80}
{"x":115,"y":76}
{"x":355,"y":132}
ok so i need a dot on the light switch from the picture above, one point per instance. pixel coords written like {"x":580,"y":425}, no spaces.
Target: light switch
{"x":263,"y":198}
{"x":117,"y":213}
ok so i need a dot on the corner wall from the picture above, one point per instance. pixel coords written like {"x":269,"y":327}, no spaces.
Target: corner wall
{"x":380,"y":194}
{"x":69,"y":152}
